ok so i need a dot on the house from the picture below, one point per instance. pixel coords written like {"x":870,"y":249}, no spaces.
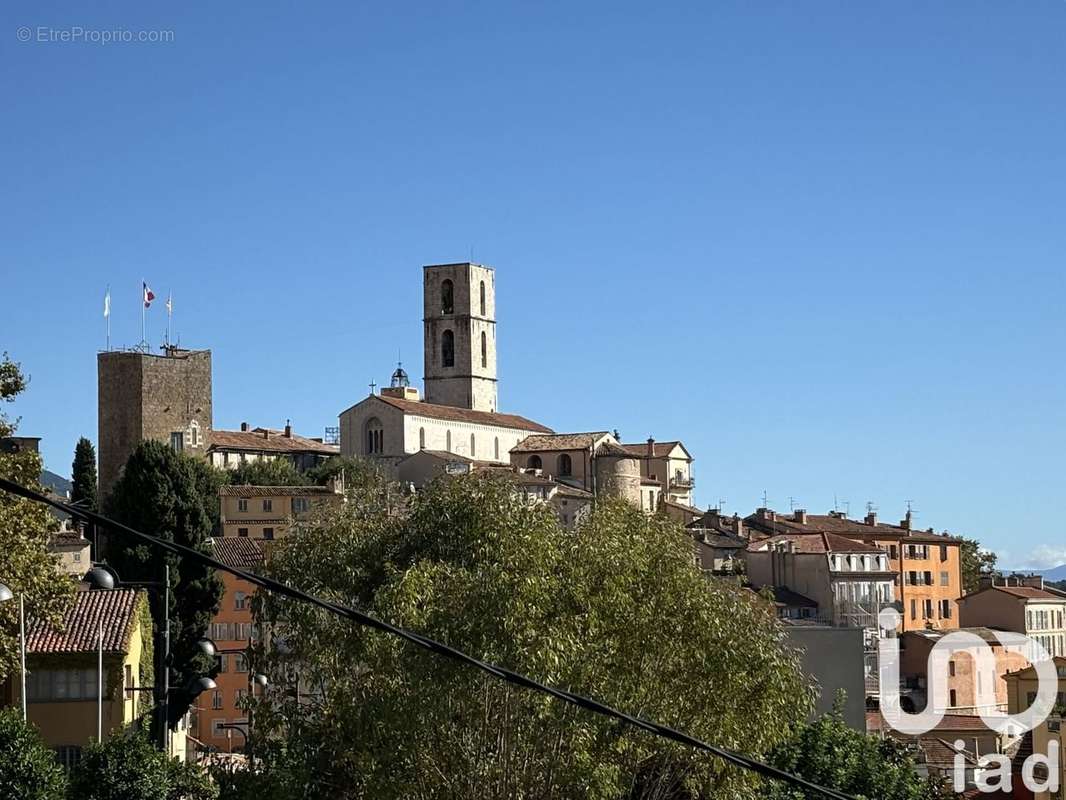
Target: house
{"x":72,"y":551}
{"x":718,"y":542}
{"x":928,"y":565}
{"x":267,"y":512}
{"x":1022,"y":604}
{"x":227,"y":449}
{"x":62,"y":689}
{"x":593,"y":461}
{"x":1021,"y":691}
{"x":669,"y":463}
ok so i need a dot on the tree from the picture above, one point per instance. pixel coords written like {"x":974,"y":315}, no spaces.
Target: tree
{"x":26,"y":565}
{"x":273,"y":472}
{"x":127,"y":767}
{"x":976,"y":561}
{"x":161,"y":492}
{"x":828,"y":752}
{"x":28,"y":769}
{"x":83,"y":475}
{"x":614,"y":609}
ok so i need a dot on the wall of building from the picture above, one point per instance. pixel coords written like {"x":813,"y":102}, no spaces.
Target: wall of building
{"x":580,"y":466}
{"x":256,"y":519}
{"x":944,"y":565}
{"x":834,"y":658}
{"x":993,"y":609}
{"x":618,"y":477}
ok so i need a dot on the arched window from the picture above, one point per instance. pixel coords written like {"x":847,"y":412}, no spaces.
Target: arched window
{"x":194,"y":434}
{"x":447,"y":297}
{"x":484,"y":350}
{"x":375,"y":436}
{"x":483,"y":298}
{"x":496,"y":448}
{"x":447,"y":349}
{"x":565,"y":467}
{"x":421,"y":438}
{"x":472,"y":448}
{"x":534,"y":462}
{"x":448,"y":441}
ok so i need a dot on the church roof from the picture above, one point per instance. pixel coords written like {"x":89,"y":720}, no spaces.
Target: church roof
{"x":434,"y":411}
{"x":559,"y":441}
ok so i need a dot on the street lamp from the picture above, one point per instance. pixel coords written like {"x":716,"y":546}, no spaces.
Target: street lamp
{"x":5,"y":595}
{"x":210,"y":649}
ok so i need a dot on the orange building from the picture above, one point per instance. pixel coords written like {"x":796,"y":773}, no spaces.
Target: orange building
{"x":928,"y":565}
{"x":232,"y":630}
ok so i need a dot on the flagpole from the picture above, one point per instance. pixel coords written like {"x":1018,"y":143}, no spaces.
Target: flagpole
{"x":170,"y":312}
{"x":107,"y":315}
{"x":143,"y":339}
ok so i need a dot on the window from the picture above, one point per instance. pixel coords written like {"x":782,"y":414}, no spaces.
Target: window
{"x":893,"y":552}
{"x":177,"y":441}
{"x":216,"y":728}
{"x":943,"y":552}
{"x":951,"y":668}
{"x":421,"y":438}
{"x":447,"y":297}
{"x":484,"y":351}
{"x":448,"y":441}
{"x":240,"y":600}
{"x":241,"y":662}
{"x":268,"y":504}
{"x":447,"y":349}
{"x":952,"y":698}
{"x":375,"y":436}
{"x":483,"y":305}
{"x":242,"y":531}
{"x":565,"y":466}
{"x":301,"y":505}
{"x":914,"y":608}
{"x":127,"y":675}
{"x":216,"y":699}
{"x":50,"y":685}
{"x":943,"y":579}
{"x":242,"y":504}
{"x":533,"y":462}
{"x":496,"y":448}
{"x":268,"y":534}
{"x":473,"y":448}
{"x":945,"y":609}
{"x":68,"y":756}
{"x":927,"y":609}
{"x":651,"y":500}
{"x":928,"y":578}
{"x":194,"y":435}
{"x":77,"y":557}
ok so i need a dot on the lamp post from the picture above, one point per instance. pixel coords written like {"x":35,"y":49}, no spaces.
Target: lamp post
{"x":210,"y":649}
{"x":5,"y":595}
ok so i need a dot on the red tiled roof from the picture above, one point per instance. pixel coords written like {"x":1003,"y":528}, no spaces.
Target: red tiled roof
{"x":559,"y":441}
{"x":115,"y":609}
{"x":435,"y":411}
{"x":272,"y":442}
{"x":660,"y":449}
{"x":247,"y":490}
{"x":839,"y":524}
{"x":1028,"y":592}
{"x":816,"y":543}
{"x":237,"y":551}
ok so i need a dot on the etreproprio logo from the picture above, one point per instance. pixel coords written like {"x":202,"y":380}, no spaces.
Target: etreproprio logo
{"x":993,"y":773}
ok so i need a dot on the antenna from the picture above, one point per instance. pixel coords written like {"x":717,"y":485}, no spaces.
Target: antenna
{"x":765,"y":500}
{"x":720,"y":506}
{"x":870,"y":507}
{"x":791,"y":503}
{"x":847,"y":507}
{"x":836,"y":505}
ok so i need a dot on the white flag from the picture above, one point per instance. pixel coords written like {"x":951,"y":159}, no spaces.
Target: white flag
{"x":107,"y":303}
{"x":170,"y":303}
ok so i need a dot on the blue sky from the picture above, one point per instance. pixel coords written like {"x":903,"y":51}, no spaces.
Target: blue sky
{"x":821,"y":243}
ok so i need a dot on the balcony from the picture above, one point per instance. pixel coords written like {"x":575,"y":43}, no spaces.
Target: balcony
{"x":682,"y":482}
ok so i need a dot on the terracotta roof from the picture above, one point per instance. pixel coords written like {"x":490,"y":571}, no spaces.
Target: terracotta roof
{"x":839,"y":524}
{"x":684,"y":507}
{"x":1028,"y":592}
{"x":612,"y":449}
{"x":273,"y":442}
{"x":67,"y":539}
{"x":815,"y":543}
{"x":719,"y":541}
{"x":237,"y":551}
{"x":660,"y":449}
{"x":875,"y":721}
{"x":559,"y":441}
{"x":435,"y":411}
{"x":573,"y":491}
{"x":786,"y":598}
{"x":114,"y":608}
{"x":247,"y":490}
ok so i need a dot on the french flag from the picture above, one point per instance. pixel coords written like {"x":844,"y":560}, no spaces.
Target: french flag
{"x":149,"y":295}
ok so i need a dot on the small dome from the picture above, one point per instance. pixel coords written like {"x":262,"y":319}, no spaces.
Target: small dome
{"x":399,"y":378}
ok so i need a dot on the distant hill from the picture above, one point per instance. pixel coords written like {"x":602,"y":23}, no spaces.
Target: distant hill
{"x":57,"y":483}
{"x":1054,"y":574}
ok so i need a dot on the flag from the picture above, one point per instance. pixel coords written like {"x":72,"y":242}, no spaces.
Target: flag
{"x":107,"y":303}
{"x":170,"y":303}
{"x":149,"y":295}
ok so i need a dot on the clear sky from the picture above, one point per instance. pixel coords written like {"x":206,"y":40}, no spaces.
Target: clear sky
{"x":819,"y":242}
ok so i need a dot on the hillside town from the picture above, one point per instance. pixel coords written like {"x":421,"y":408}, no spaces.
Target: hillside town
{"x":826,"y":578}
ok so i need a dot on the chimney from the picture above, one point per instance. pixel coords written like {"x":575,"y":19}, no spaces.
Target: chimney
{"x":905,"y":523}
{"x":766,"y":514}
{"x":244,"y":426}
{"x":651,"y":447}
{"x":738,"y":526}
{"x":1032,"y":581}
{"x":800,"y":516}
{"x":288,"y":429}
{"x":266,"y":433}
{"x":871,"y":518}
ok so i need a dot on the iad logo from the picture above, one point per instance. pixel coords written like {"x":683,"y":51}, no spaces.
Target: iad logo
{"x":993,"y":771}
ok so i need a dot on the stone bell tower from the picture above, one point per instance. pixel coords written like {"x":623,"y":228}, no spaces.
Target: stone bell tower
{"x":460,"y":335}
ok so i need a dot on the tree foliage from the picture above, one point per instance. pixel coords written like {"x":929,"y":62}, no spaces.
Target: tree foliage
{"x":162,"y":492}
{"x":28,"y":769}
{"x":355,"y":471}
{"x":273,"y":472}
{"x":26,"y":565}
{"x":127,"y":767}
{"x":83,"y":475}
{"x":613,"y":609}
{"x":976,"y":561}
{"x":828,"y":752}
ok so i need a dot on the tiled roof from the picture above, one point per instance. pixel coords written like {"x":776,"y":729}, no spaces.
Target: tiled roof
{"x":267,"y":440}
{"x":246,"y":490}
{"x":237,"y":551}
{"x":114,"y":608}
{"x":720,"y":541}
{"x":684,"y":507}
{"x":1028,"y":592}
{"x":67,"y":539}
{"x":816,"y":543}
{"x":660,"y":449}
{"x":612,"y":449}
{"x":434,"y":411}
{"x":559,"y":441}
{"x":786,"y":598}
{"x":839,"y":524}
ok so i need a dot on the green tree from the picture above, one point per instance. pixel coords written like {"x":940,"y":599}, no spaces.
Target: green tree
{"x":614,"y":609}
{"x":128,"y":767}
{"x":83,"y":475}
{"x":354,"y":471}
{"x":976,"y":561}
{"x":275,"y":472}
{"x":28,"y":769}
{"x":828,"y":752}
{"x":26,"y":565}
{"x":161,"y":492}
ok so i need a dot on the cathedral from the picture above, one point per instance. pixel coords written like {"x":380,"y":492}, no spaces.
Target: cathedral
{"x":458,"y":414}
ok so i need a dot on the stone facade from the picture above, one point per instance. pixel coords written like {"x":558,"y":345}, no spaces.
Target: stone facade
{"x":459,"y":314}
{"x":144,"y":396}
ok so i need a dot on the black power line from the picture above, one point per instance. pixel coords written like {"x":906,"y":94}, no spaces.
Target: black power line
{"x":739,"y":759}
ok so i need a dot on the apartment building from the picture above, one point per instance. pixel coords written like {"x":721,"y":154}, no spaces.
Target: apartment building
{"x":670,"y":465}
{"x":1020,"y":603}
{"x":928,"y":565}
{"x":227,"y":449}
{"x":267,"y":512}
{"x":1021,"y":691}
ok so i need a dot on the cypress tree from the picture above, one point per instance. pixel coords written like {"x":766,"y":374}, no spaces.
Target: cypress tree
{"x":83,"y":475}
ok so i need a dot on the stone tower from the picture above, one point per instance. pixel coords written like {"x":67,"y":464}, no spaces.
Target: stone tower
{"x":460,"y":335}
{"x":144,"y":396}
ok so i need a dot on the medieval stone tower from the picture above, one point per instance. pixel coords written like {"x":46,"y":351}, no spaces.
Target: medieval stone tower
{"x":144,"y":396}
{"x":460,"y":335}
